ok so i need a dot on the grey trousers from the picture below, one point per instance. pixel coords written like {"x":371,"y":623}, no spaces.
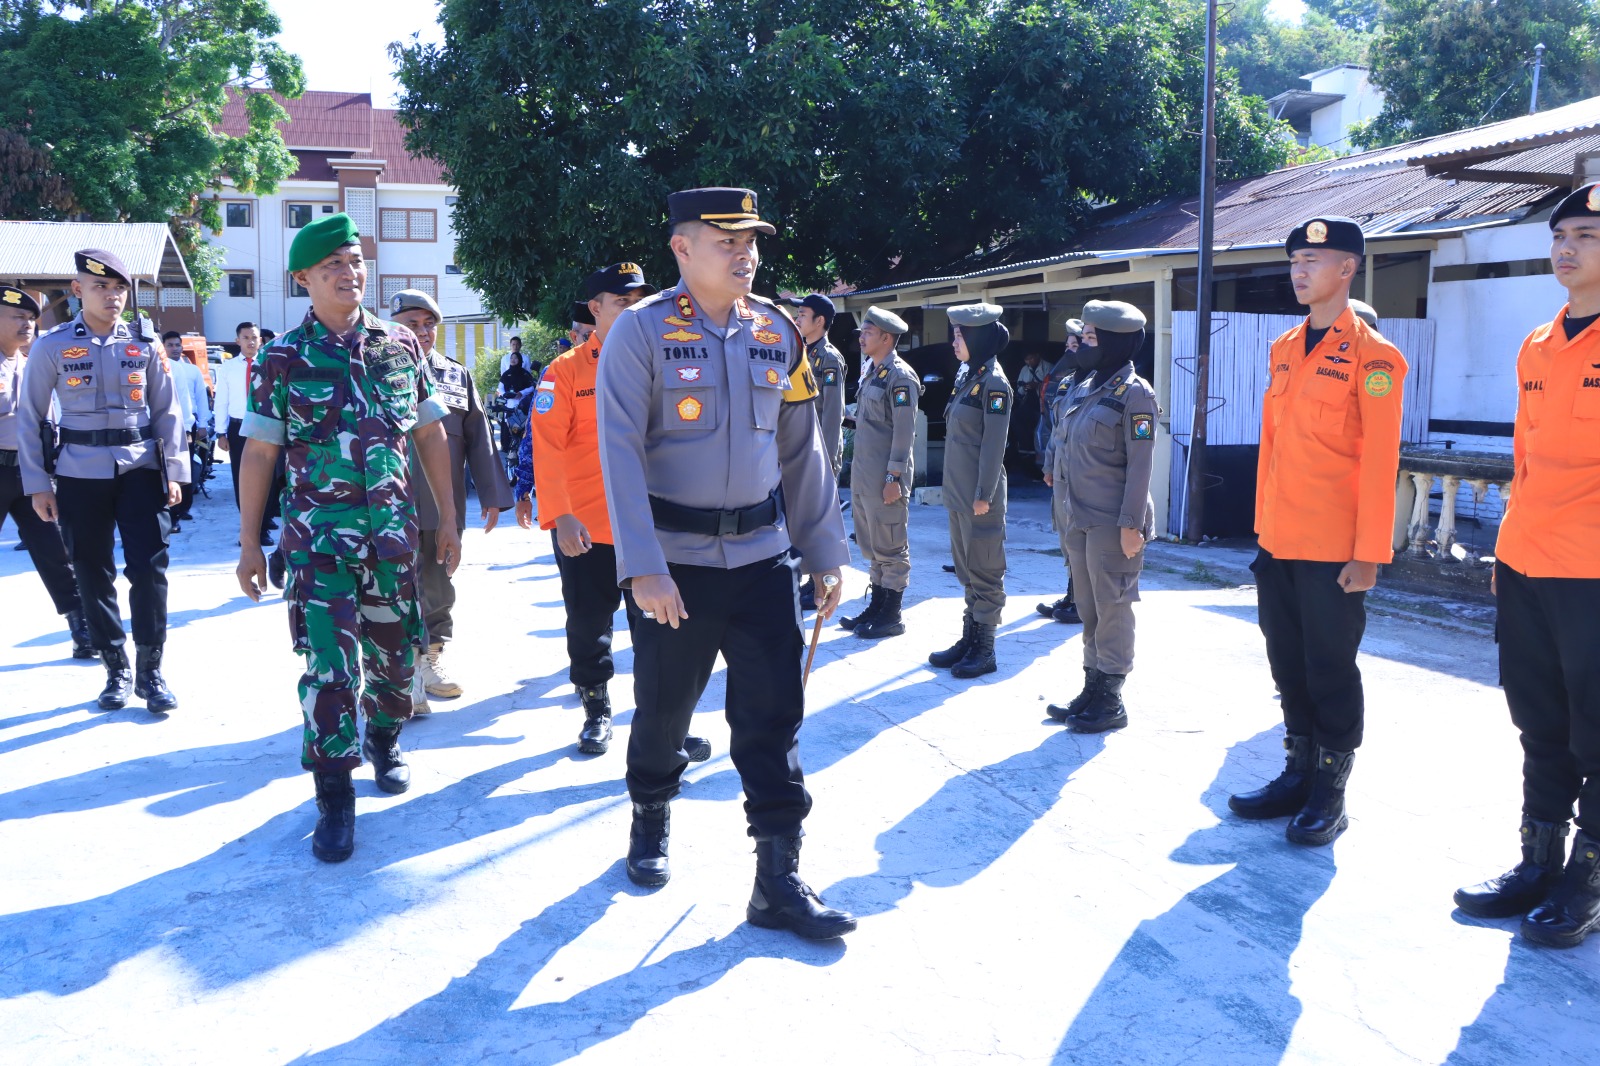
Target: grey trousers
{"x":1106,"y":584}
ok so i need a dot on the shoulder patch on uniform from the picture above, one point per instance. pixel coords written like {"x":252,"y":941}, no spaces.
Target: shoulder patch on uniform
{"x":997,"y":402}
{"x":1144,"y":427}
{"x":767,"y":336}
{"x":1379,"y":383}
{"x":543,"y":402}
{"x":902,"y":395}
{"x":830,"y":376}
{"x":1377,"y":364}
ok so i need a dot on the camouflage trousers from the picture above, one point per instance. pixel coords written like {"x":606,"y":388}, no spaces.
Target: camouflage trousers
{"x":357,"y":622}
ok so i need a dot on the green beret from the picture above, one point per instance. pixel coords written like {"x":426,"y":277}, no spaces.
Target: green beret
{"x":974,"y":314}
{"x":1113,"y":316}
{"x":320,"y":239}
{"x":887,"y":321}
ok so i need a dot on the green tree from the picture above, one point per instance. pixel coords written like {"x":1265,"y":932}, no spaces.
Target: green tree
{"x":1446,"y":65}
{"x":1362,"y":15}
{"x":1270,"y":56}
{"x":119,"y":105}
{"x":887,"y":138}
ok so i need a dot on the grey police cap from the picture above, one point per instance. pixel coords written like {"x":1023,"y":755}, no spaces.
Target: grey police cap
{"x":1113,"y":316}
{"x":974,"y":314}
{"x":414,"y":300}
{"x":887,"y":321}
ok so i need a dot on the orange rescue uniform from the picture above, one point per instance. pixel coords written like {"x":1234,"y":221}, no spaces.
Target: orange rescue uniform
{"x":1554,"y":507}
{"x":1330,"y":446}
{"x":566,"y":443}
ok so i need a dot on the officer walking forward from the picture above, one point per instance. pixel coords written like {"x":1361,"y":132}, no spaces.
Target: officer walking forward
{"x":1099,"y":461}
{"x":122,"y":466}
{"x":1547,"y":585}
{"x":1330,"y":452}
{"x":882,"y":471}
{"x":343,"y":393}
{"x":714,"y":470}
{"x":977,"y":421}
{"x":18,"y":313}
{"x":472,"y":447}
{"x":564,"y":436}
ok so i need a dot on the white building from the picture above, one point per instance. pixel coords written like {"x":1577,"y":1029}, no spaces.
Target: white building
{"x":352,"y":158}
{"x":1322,"y":114}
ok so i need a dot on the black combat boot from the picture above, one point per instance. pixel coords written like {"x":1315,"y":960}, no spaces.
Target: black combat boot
{"x":867,"y":613}
{"x":887,"y":622}
{"x":148,"y":684}
{"x":697,"y":748}
{"x":1525,"y":885}
{"x":382,"y":748}
{"x":82,"y":639}
{"x":944,"y":660}
{"x":979,"y":659}
{"x":1076,"y":705}
{"x":1105,"y":709}
{"x":595,"y":737}
{"x":1068,"y":614}
{"x":1284,"y":795}
{"x":1573,"y":909}
{"x":119,"y":679}
{"x":334,"y":838}
{"x":1323,"y":818}
{"x":780,"y":900}
{"x":1048,"y":610}
{"x":647,"y":845}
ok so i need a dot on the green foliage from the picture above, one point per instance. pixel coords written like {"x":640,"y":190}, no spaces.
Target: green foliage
{"x":1271,"y":56}
{"x":1446,"y":65}
{"x":119,"y":104}
{"x":886,"y":138}
{"x":1351,"y":14}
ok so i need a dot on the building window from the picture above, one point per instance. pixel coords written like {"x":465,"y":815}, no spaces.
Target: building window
{"x":242,"y":283}
{"x":237,"y":215}
{"x":450,"y":201}
{"x":370,"y":296}
{"x":300,"y":215}
{"x":405,"y":224}
{"x":390,"y":284}
{"x":295,"y":288}
{"x":451,"y":268}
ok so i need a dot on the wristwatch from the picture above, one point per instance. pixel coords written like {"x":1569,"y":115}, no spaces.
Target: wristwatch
{"x":891,"y":479}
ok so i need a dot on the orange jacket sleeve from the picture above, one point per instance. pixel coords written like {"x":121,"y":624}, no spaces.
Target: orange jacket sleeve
{"x":551,"y":433}
{"x":1380,"y":396}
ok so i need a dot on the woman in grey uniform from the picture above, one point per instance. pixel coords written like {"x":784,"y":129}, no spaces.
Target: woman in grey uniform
{"x":976,"y":423}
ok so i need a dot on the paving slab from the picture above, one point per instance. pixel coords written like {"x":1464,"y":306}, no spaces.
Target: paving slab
{"x":1026,"y":894}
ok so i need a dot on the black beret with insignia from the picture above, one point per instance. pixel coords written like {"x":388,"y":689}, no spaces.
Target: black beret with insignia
{"x":100,"y":263}
{"x":13,"y":297}
{"x":1334,"y":232}
{"x":1580,"y":203}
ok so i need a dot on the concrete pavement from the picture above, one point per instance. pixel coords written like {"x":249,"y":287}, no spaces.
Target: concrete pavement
{"x":1026,"y":894}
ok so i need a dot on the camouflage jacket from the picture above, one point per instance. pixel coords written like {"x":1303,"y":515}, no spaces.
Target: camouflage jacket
{"x":344,"y":414}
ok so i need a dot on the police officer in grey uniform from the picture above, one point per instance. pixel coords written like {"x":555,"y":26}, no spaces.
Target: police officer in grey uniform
{"x":1101,"y":454}
{"x":18,"y":313}
{"x":814,"y":316}
{"x":472,"y":447}
{"x":977,"y":422}
{"x":886,"y":426}
{"x":714,"y":470}
{"x":121,"y":468}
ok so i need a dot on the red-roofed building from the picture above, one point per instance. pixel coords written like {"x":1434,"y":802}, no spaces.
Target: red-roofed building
{"x":352,"y":158}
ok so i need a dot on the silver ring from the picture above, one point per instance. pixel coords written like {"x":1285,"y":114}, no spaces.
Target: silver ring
{"x":649,"y":614}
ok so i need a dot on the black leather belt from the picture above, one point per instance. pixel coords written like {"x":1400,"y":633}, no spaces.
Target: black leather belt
{"x":676,"y":518}
{"x":8,"y":458}
{"x":107,"y":438}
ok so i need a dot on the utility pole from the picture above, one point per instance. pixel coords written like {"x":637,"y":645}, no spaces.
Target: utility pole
{"x":1194,"y":492}
{"x":1538,"y":62}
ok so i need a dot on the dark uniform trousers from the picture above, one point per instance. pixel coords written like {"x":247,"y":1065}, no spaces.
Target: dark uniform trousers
{"x":1313,"y":629}
{"x":42,"y":539}
{"x":236,"y":439}
{"x":1549,"y":631}
{"x":589,"y":590}
{"x":735,"y":612}
{"x":93,"y":510}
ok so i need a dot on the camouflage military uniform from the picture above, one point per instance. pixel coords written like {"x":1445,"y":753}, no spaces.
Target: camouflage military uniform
{"x":343,"y":409}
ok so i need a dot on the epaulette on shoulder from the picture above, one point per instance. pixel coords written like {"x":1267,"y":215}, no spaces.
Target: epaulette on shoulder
{"x":57,"y":328}
{"x":653,"y":298}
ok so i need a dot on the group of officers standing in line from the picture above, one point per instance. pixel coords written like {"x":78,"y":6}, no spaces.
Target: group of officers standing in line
{"x":685,"y":458}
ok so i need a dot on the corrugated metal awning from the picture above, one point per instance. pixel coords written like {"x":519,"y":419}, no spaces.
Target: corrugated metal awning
{"x":42,"y":251}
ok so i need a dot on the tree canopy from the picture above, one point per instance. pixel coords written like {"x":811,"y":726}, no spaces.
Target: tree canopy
{"x":1445,"y":65}
{"x":110,"y":112}
{"x":886,"y":138}
{"x":1270,"y":56}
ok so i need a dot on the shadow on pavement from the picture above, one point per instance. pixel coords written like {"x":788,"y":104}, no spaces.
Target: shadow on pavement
{"x":1213,"y":971}
{"x":1542,"y":1011}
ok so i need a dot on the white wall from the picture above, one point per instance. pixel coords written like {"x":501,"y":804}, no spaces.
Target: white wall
{"x":1481,"y":325}
{"x":1330,"y":124}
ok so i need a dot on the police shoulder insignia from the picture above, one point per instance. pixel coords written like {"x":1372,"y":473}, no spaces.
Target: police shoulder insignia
{"x":74,"y":353}
{"x":682,"y":335}
{"x":767,"y":336}
{"x":1121,"y":389}
{"x":976,"y":388}
{"x":883,"y":373}
{"x":743,"y":308}
{"x":684,"y":305}
{"x":762,"y":321}
{"x":1379,"y":383}
{"x":674,"y":320}
{"x":1144,"y":427}
{"x":902,"y":396}
{"x":997,"y":402}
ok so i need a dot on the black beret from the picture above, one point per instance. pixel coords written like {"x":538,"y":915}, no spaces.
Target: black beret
{"x":1333,"y":232}
{"x":580,"y":313}
{"x":1580,"y":203}
{"x":100,"y":263}
{"x":13,"y":297}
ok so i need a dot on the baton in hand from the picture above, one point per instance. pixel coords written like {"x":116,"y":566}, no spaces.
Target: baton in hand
{"x":828,"y":582}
